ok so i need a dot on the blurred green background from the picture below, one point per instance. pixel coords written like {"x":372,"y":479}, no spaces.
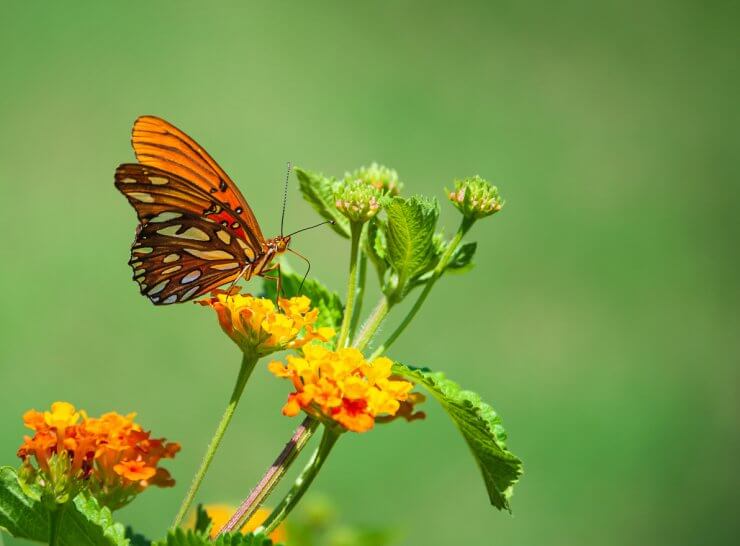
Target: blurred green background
{"x":601,"y":320}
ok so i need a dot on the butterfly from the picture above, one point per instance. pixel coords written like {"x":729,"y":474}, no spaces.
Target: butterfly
{"x":196,"y":230}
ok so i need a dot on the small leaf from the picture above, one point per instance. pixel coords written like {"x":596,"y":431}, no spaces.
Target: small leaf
{"x":84,"y":522}
{"x":181,"y":537}
{"x":327,"y":302}
{"x":318,"y":190}
{"x":203,"y":522}
{"x":410,"y":236}
{"x":135,"y":539}
{"x":480,"y":426}
{"x":374,"y":246}
{"x":462,"y":259}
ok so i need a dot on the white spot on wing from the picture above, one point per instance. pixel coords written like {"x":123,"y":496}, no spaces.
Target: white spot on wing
{"x":190,"y":277}
{"x":157,"y":288}
{"x":165,"y":216}
{"x":189,"y":294}
{"x":171,"y":258}
{"x":158,"y":181}
{"x":171,"y":269}
{"x":128,"y":180}
{"x":225,"y":237}
{"x":142,"y":249}
{"x":141,"y":196}
{"x":170,"y":299}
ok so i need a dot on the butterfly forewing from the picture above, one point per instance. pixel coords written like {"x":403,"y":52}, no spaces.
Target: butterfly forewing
{"x":158,"y":143}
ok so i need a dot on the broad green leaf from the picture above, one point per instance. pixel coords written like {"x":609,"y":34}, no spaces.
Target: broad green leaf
{"x":410,"y":234}
{"x":480,"y":426}
{"x":318,"y":190}
{"x":327,"y":302}
{"x":181,"y":537}
{"x":84,"y":522}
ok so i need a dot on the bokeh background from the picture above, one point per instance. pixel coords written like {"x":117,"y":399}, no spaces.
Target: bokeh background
{"x":601,"y":320}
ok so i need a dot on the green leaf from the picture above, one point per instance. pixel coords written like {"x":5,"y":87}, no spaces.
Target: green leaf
{"x":84,"y":522}
{"x":375,"y":247}
{"x":135,"y":539}
{"x":480,"y":426}
{"x":318,"y":190}
{"x":409,"y":236}
{"x":181,"y":537}
{"x":462,"y":259}
{"x":327,"y":302}
{"x":203,"y":522}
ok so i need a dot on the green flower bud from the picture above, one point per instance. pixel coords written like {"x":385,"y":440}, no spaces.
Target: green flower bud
{"x":379,"y":177}
{"x":475,"y":198}
{"x":357,"y":200}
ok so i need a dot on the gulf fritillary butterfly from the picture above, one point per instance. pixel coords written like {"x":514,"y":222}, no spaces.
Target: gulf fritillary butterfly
{"x":196,"y":230}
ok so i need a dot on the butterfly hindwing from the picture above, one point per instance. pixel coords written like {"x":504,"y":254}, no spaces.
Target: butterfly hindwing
{"x":179,"y":256}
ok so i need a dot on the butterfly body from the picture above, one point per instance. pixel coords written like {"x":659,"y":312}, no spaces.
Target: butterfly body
{"x":196,"y":230}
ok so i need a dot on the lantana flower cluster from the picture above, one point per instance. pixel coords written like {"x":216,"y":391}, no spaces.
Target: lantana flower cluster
{"x":111,"y":456}
{"x":341,"y":386}
{"x":256,"y":325}
{"x":476,"y":198}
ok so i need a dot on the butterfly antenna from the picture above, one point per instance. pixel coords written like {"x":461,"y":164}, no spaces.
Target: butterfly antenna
{"x":285,"y":197}
{"x":332,"y":222}
{"x":301,"y":256}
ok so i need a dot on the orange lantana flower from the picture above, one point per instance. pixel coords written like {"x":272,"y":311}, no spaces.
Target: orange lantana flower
{"x":257,"y":326}
{"x":342,"y":386}
{"x":111,"y":456}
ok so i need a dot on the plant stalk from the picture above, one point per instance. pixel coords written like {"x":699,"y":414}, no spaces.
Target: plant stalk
{"x":248,"y":362}
{"x":55,"y":524}
{"x":360,"y":296}
{"x":372,"y":323}
{"x":465,"y":225}
{"x":272,"y":477}
{"x":302,"y":483}
{"x":356,"y":231}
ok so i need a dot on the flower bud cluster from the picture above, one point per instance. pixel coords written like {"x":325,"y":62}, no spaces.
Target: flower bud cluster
{"x":357,"y":200}
{"x":475,"y":198}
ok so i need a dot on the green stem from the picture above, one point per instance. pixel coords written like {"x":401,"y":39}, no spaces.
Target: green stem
{"x":302,"y":483}
{"x":436,"y":274}
{"x":272,"y":476}
{"x":55,"y":524}
{"x":248,"y":362}
{"x":372,"y":323}
{"x":360,"y":295}
{"x":356,"y":230}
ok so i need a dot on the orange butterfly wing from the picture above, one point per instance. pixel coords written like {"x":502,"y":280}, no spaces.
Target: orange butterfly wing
{"x":158,"y":143}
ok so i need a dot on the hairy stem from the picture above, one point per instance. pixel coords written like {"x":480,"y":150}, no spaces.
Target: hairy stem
{"x":356,"y":230}
{"x":302,"y":483}
{"x":248,"y":362}
{"x":372,"y":323}
{"x":273,"y":475}
{"x":436,"y":274}
{"x":360,"y":295}
{"x":55,"y":524}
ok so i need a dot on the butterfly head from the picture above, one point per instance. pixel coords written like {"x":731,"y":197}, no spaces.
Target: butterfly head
{"x":280,"y":243}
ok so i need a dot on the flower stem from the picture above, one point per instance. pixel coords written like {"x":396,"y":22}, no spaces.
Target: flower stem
{"x":372,"y":323}
{"x":302,"y":483}
{"x":438,"y":271}
{"x":248,"y":362}
{"x":360,"y":295}
{"x":273,"y":475}
{"x":55,"y":524}
{"x":356,"y":231}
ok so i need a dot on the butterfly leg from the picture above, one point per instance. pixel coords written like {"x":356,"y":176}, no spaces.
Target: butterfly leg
{"x":239,"y":276}
{"x":278,"y":281}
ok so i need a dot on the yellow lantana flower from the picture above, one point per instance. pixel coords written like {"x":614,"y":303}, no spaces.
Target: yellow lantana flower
{"x":256,"y":325}
{"x":220,"y":514}
{"x":342,"y":386}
